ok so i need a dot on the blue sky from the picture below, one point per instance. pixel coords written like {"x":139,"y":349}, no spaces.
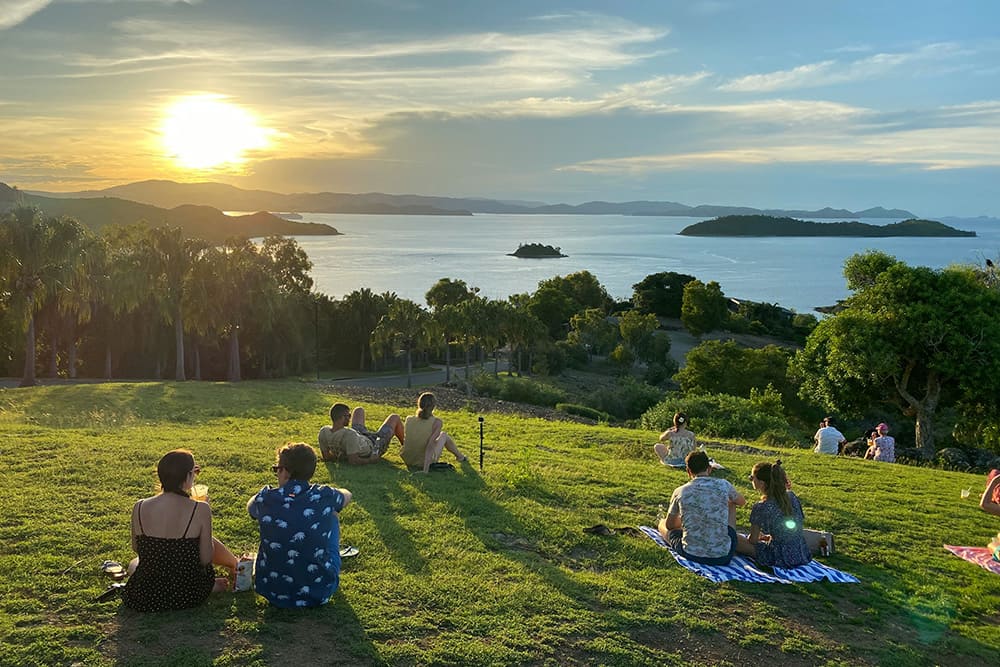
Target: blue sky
{"x":758,"y":102}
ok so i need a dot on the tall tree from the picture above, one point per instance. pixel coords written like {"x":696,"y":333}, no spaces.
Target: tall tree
{"x":443,"y":297}
{"x":910,"y":337}
{"x":38,"y":260}
{"x":406,"y":325}
{"x":704,"y":308}
{"x":661,"y":294}
{"x":363,"y":309}
{"x":173,"y":255}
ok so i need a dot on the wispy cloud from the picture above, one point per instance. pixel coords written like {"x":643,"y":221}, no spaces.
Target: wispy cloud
{"x":828,"y":72}
{"x":15,"y":12}
{"x":928,"y":148}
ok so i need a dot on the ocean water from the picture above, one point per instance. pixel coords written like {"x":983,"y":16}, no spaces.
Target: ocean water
{"x":408,"y":254}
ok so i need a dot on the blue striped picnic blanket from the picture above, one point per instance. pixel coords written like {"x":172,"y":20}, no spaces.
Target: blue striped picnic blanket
{"x":741,"y":568}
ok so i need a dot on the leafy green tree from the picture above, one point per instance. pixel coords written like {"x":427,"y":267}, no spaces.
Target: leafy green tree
{"x":704,"y":307}
{"x":582,"y":287}
{"x":661,"y":294}
{"x":37,"y":260}
{"x":637,"y":331}
{"x":594,"y":331}
{"x":910,"y":337}
{"x":406,"y":325}
{"x":724,"y":367}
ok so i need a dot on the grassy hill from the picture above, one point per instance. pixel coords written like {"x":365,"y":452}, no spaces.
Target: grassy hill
{"x":466,"y":567}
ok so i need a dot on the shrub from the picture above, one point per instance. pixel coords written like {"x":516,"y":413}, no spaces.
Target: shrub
{"x":574,"y":354}
{"x":584,"y":411}
{"x":517,"y":390}
{"x":724,"y":416}
{"x":627,"y":400}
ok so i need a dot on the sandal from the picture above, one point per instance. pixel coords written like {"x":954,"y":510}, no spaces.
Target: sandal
{"x":348,"y":551}
{"x":113,"y":569}
{"x":441,"y":465}
{"x":113,"y":591}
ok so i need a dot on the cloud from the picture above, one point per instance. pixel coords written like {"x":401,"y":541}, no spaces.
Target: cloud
{"x":829,"y":72}
{"x":930,"y":148}
{"x":13,"y":12}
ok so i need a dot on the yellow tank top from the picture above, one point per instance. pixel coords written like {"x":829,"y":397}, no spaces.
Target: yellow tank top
{"x":416,"y":433}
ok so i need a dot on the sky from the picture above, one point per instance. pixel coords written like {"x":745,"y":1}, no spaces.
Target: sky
{"x":766,"y":103}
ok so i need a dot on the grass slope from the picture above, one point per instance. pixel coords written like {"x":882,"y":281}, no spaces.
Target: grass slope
{"x":465,"y":568}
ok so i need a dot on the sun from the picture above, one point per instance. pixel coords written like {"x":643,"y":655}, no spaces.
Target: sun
{"x":203,"y":132}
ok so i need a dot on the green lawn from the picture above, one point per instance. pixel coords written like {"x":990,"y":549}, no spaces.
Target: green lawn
{"x":466,"y":568}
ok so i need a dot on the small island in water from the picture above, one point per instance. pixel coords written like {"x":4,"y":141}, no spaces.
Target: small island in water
{"x":536,"y":251}
{"x":766,"y":225}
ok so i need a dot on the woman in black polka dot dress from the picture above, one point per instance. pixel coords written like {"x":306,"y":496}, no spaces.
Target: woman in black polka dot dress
{"x":173,"y":536}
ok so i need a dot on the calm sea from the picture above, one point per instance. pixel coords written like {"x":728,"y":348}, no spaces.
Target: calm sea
{"x":408,"y":254}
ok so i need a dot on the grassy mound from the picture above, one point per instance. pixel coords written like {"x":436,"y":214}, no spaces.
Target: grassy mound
{"x":463,"y":567}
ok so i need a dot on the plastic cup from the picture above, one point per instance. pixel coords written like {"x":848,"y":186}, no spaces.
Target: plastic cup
{"x":199,"y":492}
{"x":966,"y":492}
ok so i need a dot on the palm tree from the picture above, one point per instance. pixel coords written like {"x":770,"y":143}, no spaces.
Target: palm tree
{"x":172,"y":259}
{"x":364,"y":310}
{"x":38,"y":261}
{"x":407,"y":325}
{"x":123,"y":284}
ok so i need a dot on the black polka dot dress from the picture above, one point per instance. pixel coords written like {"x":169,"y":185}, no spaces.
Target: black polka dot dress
{"x":170,"y":574}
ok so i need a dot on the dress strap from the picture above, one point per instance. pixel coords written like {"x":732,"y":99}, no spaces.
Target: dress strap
{"x":193,"y":510}
{"x":138,"y":515}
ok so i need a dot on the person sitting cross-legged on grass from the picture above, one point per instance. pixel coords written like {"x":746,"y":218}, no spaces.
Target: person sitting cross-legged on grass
{"x":676,"y":442}
{"x":173,"y":536}
{"x":700,"y":522}
{"x":775,"y":522}
{"x":424,"y":438}
{"x":356,"y":443}
{"x":298,"y":562}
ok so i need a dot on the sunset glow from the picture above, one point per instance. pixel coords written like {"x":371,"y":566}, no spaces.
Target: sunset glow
{"x":203,"y":132}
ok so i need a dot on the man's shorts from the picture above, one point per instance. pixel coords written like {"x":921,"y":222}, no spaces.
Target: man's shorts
{"x":380,"y":438}
{"x":676,"y":540}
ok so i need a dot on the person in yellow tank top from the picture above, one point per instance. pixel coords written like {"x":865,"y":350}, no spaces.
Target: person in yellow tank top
{"x":424,"y":440}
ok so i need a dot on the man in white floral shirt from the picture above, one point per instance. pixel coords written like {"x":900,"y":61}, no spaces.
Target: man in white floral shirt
{"x":700,"y":522}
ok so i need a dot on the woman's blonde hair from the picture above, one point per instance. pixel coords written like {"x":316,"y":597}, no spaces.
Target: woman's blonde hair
{"x":425,"y":405}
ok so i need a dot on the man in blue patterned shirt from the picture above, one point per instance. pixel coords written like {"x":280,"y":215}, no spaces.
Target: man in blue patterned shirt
{"x":298,"y":562}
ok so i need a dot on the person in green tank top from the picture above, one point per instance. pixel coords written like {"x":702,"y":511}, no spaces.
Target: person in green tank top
{"x":424,"y":440}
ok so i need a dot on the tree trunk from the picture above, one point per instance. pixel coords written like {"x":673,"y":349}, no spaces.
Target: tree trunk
{"x":518,"y":362}
{"x":409,"y":368}
{"x":234,"y":356}
{"x":54,"y":357}
{"x":447,"y":360}
{"x":197,"y":361}
{"x":107,"y":361}
{"x":158,"y":368}
{"x":468,"y":352}
{"x":496,"y":363}
{"x":28,"y":379}
{"x":72,"y":358}
{"x":361,"y":364}
{"x":923,"y":436}
{"x":179,"y":343}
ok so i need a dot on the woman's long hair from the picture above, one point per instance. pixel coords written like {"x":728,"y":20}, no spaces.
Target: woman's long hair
{"x":173,"y":470}
{"x":425,"y":405}
{"x":775,"y":484}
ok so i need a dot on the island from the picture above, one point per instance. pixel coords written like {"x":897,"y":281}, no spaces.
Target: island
{"x":765,"y":225}
{"x":536,"y":251}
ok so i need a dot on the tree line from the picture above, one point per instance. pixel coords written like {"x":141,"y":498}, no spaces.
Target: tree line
{"x":141,"y":302}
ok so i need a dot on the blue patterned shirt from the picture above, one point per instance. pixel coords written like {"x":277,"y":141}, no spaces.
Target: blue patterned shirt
{"x":298,"y":562}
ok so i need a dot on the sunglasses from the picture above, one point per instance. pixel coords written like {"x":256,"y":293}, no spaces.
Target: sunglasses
{"x":196,"y":469}
{"x":277,"y":469}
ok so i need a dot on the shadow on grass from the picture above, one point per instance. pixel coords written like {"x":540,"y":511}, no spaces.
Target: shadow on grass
{"x":241,"y":629}
{"x":383,"y":501}
{"x":107,"y":405}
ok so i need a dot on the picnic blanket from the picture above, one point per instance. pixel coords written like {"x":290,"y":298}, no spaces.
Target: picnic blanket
{"x":981,"y":556}
{"x":741,"y":568}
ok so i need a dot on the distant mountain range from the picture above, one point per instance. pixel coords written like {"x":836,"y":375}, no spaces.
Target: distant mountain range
{"x":202,"y":222}
{"x":168,"y":194}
